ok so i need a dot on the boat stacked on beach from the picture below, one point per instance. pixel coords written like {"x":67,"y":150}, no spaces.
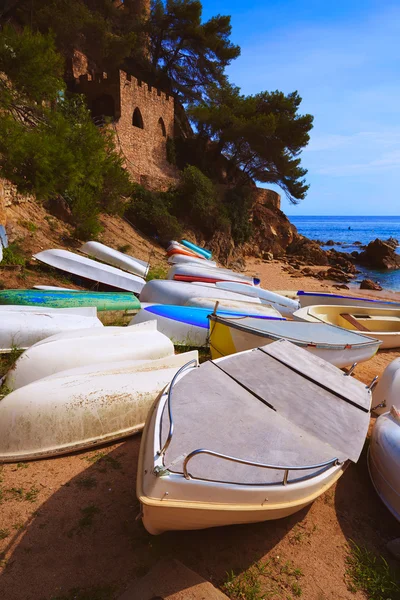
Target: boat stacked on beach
{"x":256,"y":433}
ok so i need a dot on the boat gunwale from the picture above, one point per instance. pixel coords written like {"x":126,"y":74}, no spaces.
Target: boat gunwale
{"x":228,"y":322}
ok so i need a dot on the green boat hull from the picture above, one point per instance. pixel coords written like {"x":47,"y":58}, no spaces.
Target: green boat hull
{"x":66,"y":299}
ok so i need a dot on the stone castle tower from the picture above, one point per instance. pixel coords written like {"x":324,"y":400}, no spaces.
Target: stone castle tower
{"x":141,"y":115}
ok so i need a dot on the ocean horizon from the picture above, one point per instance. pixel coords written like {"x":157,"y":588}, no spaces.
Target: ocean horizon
{"x":345,"y":231}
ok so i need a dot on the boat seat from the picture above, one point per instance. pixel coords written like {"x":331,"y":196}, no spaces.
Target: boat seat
{"x":350,"y":319}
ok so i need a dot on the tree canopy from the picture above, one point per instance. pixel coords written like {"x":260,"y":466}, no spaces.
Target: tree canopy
{"x":262,"y":134}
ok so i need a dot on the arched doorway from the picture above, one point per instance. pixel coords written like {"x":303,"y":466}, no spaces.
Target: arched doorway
{"x":137,"y":120}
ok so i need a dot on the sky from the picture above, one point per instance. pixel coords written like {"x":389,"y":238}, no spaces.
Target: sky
{"x":343,"y":58}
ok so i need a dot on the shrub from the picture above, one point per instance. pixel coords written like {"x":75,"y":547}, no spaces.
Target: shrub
{"x":238,"y":202}
{"x":198,"y":201}
{"x":13,"y":255}
{"x":150,"y":212}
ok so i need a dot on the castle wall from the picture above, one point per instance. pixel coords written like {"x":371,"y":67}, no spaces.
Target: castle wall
{"x":268,"y":197}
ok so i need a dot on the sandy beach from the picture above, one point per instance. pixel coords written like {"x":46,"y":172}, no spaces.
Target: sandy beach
{"x":69,"y":523}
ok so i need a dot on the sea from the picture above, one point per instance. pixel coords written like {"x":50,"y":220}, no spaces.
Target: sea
{"x":345,"y":231}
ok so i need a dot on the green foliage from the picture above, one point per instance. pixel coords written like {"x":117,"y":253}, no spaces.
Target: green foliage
{"x":238,"y":201}
{"x":262,"y":135}
{"x":28,"y":225}
{"x":157,"y":273}
{"x":13,"y":255}
{"x":151,"y":212}
{"x":372,"y":575}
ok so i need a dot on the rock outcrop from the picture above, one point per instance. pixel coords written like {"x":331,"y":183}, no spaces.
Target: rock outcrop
{"x":380,"y":254}
{"x":368,"y":284}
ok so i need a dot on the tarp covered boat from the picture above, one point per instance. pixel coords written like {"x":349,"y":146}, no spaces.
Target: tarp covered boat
{"x":20,"y":329}
{"x":380,"y":323}
{"x":247,"y":438}
{"x":116,"y":258}
{"x":82,"y":408}
{"x":87,"y":268}
{"x":70,"y":299}
{"x":76,"y":348}
{"x":339,"y":347}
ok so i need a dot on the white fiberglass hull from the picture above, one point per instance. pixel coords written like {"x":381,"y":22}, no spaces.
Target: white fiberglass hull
{"x":286,"y":306}
{"x":91,"y":269}
{"x":178,"y":259}
{"x":387,"y":390}
{"x":378,"y":323}
{"x":191,"y":272}
{"x":313,"y":298}
{"x":179,"y":293}
{"x":21,"y":329}
{"x":69,"y":350}
{"x":384,"y":460}
{"x":72,"y":411}
{"x":116,"y":258}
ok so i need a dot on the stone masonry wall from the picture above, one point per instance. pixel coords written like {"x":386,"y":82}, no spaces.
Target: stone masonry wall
{"x":268,"y":197}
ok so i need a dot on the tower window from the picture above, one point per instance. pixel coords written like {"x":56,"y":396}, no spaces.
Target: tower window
{"x":161,"y":127}
{"x":137,"y":120}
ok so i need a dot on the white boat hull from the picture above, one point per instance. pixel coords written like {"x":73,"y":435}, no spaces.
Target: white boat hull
{"x":90,"y":269}
{"x":21,"y":329}
{"x":383,"y":324}
{"x":286,"y":306}
{"x":73,"y":349}
{"x":313,"y":298}
{"x":186,"y":272}
{"x":384,"y":460}
{"x":387,"y":390}
{"x":73,"y":411}
{"x":116,"y":258}
{"x":242,"y":306}
{"x":178,"y":259}
{"x":179,"y":293}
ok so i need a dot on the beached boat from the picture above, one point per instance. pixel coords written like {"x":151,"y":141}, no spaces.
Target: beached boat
{"x":312,"y":298}
{"x":177,"y":259}
{"x":20,"y":329}
{"x":92,"y":270}
{"x":387,"y":389}
{"x":69,"y":299}
{"x":384,"y":459}
{"x":116,"y":258}
{"x":286,"y":306}
{"x":336,"y":345}
{"x":54,"y":288}
{"x":83,"y":407}
{"x":379,"y":323}
{"x":189,"y":272}
{"x":78,"y":348}
{"x":188,"y":326}
{"x":166,"y":291}
{"x":206,"y":253}
{"x":255,"y":436}
{"x":177,"y":248}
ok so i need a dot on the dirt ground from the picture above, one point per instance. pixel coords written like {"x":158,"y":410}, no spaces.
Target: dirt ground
{"x":69,"y":527}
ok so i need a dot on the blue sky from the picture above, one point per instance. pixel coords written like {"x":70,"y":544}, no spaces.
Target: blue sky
{"x":344,"y":60}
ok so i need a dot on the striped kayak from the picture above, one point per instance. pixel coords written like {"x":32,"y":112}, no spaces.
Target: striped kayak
{"x":67,"y":299}
{"x":188,"y":326}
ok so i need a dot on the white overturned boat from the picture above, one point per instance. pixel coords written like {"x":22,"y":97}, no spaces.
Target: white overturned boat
{"x":380,"y":323}
{"x":90,"y":269}
{"x":192,"y":272}
{"x":22,"y":328}
{"x":116,"y":258}
{"x":247,"y":438}
{"x":387,"y":390}
{"x":384,"y":459}
{"x":82,"y":408}
{"x":54,"y":288}
{"x":177,"y":259}
{"x":286,"y":306}
{"x":312,"y":298}
{"x":188,"y":325}
{"x":337,"y":346}
{"x":92,"y":346}
{"x":179,"y":293}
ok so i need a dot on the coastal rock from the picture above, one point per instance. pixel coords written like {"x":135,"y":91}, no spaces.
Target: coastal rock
{"x":307,"y":250}
{"x":341,"y":286}
{"x":368,"y":284}
{"x":343,"y":260}
{"x":337,"y":275}
{"x":380,"y":255}
{"x":330,"y":243}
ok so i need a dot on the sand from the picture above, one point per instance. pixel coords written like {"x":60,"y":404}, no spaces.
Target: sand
{"x":69,"y":529}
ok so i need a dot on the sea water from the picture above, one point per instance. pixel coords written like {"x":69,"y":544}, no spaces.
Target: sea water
{"x":345,"y":231}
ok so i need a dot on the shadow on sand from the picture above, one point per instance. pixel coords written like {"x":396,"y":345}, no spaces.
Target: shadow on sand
{"x":86,"y":535}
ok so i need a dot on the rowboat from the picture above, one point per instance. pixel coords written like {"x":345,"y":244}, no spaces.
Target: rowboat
{"x":387,"y":389}
{"x":188,"y":272}
{"x":177,"y":248}
{"x":87,"y":268}
{"x":177,"y":259}
{"x":233,"y":441}
{"x":165,"y":291}
{"x":188,"y":326}
{"x":312,"y":298}
{"x":116,"y":258}
{"x":286,"y":306}
{"x":384,"y":459}
{"x":83,"y":407}
{"x":77,"y":348}
{"x":379,"y":323}
{"x":206,"y":253}
{"x":20,"y":329}
{"x":69,"y":299}
{"x":334,"y":344}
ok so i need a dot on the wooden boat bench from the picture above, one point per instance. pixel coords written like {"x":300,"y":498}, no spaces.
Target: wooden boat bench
{"x":350,"y":319}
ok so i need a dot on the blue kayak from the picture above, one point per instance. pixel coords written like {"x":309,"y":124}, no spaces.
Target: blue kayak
{"x":206,"y":253}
